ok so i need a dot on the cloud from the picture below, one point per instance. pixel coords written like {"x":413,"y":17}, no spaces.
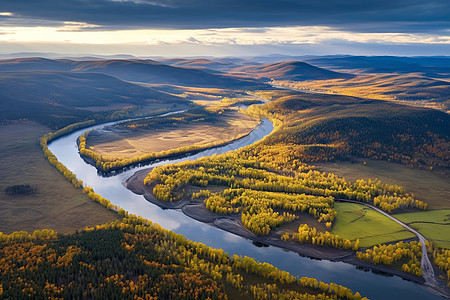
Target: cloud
{"x":74,"y":32}
{"x":354,"y":15}
{"x":186,"y":49}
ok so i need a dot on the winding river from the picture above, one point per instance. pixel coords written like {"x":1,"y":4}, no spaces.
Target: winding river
{"x":369,"y":284}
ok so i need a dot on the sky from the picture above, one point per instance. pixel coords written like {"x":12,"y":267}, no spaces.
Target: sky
{"x":169,"y":28}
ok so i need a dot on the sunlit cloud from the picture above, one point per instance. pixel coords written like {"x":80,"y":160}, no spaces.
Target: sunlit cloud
{"x":6,"y":14}
{"x":154,"y":3}
{"x":82,"y":33}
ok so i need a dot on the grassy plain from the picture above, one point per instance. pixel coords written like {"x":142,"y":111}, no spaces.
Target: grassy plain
{"x":433,"y":224}
{"x":56,"y":204}
{"x":357,"y":221}
{"x":412,"y":89}
{"x":125,"y":142}
{"x":428,"y":186}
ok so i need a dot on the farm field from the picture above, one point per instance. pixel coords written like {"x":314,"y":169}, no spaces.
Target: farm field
{"x":433,"y":224}
{"x":357,"y":221}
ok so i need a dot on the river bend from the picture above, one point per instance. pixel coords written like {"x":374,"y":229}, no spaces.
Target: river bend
{"x":369,"y":284}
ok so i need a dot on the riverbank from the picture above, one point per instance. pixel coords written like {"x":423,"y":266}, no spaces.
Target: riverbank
{"x":196,"y":209}
{"x":128,"y":163}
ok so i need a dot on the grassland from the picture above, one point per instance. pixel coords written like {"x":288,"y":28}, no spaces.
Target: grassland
{"x":56,"y":204}
{"x":357,"y":221}
{"x":412,"y":89}
{"x":198,"y":128}
{"x":429,"y":186}
{"x":433,"y":224}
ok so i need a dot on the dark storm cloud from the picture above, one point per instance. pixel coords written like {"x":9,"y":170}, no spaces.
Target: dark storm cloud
{"x":354,"y":15}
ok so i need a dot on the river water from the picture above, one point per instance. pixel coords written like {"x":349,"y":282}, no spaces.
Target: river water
{"x":369,"y":284}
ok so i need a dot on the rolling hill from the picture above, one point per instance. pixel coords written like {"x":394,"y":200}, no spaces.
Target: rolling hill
{"x":413,"y":89}
{"x":341,"y":127}
{"x":434,"y":66}
{"x":290,"y":70}
{"x":56,"y":98}
{"x":147,"y":71}
{"x":201,"y":63}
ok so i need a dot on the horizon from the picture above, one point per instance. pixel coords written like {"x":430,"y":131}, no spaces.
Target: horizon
{"x":173,"y":28}
{"x":127,"y":56}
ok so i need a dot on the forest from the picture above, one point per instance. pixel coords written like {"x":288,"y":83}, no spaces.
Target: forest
{"x":258,"y":184}
{"x":20,"y":189}
{"x":268,"y":184}
{"x":137,"y":259}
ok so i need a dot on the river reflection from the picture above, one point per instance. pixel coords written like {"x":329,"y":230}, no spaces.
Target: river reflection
{"x":369,"y":284}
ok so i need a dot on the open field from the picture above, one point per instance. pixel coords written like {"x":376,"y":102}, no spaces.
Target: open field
{"x":433,"y":224}
{"x":56,"y":204}
{"x":357,"y":221}
{"x":428,"y":186}
{"x":130,"y":141}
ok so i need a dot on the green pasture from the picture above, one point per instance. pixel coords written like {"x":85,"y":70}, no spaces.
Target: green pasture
{"x":355,"y":221}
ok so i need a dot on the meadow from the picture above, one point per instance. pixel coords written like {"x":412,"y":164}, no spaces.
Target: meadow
{"x":199,"y":129}
{"x":428,"y":186}
{"x":56,"y":204}
{"x":354,"y":221}
{"x":433,"y":224}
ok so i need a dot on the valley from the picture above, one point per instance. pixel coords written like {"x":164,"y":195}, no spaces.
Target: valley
{"x":239,"y":155}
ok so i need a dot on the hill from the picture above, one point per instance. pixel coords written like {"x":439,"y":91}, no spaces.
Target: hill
{"x":413,"y":89}
{"x":433,"y":66}
{"x":60,"y":98}
{"x":201,"y":63}
{"x":35,"y":64}
{"x":341,"y":127}
{"x":147,"y":71}
{"x":290,"y":70}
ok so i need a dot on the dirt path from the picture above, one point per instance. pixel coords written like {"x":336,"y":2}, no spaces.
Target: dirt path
{"x":427,"y":268}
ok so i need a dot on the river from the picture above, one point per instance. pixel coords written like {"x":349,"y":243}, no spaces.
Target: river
{"x":369,"y":284}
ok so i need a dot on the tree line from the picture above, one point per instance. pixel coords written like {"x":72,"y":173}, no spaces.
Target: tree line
{"x":409,"y":254}
{"x":441,"y":258}
{"x":313,"y":236}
